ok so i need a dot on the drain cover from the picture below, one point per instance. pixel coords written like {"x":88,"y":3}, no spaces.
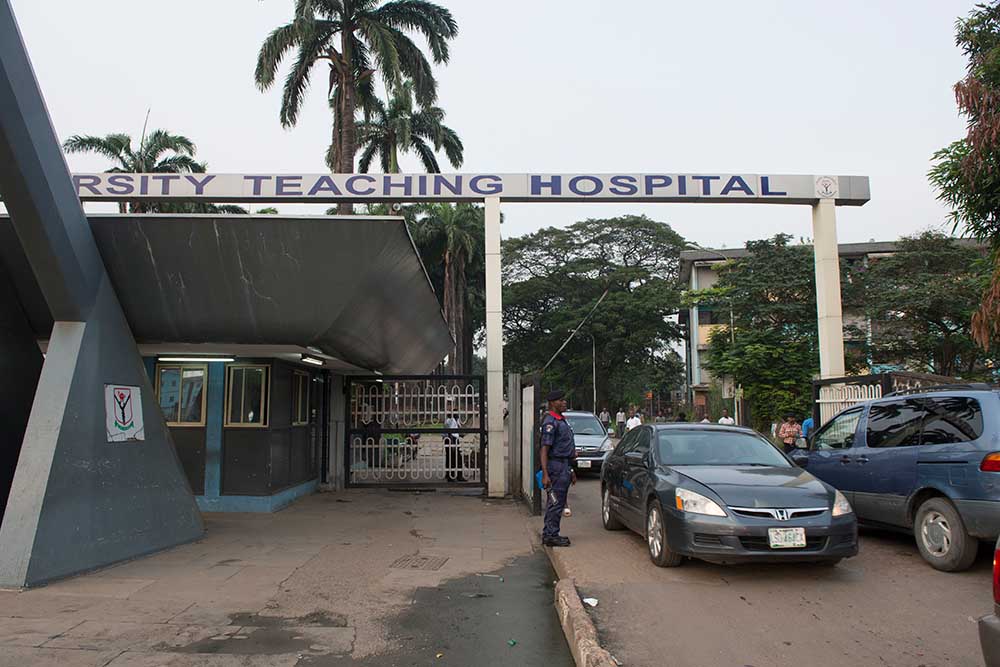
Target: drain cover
{"x":417,"y":562}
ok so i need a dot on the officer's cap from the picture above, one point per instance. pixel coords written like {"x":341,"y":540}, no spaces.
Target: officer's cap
{"x":555,"y":395}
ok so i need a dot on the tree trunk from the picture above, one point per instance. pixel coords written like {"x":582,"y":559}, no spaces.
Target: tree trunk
{"x":449,"y":307}
{"x":348,"y":130}
{"x":459,"y":304}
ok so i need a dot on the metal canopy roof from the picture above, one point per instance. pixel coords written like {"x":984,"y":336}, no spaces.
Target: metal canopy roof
{"x":351,"y":286}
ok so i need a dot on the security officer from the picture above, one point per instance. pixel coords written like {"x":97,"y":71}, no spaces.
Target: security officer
{"x":558,"y":453}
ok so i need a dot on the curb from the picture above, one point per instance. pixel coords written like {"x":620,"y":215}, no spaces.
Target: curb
{"x":581,"y":635}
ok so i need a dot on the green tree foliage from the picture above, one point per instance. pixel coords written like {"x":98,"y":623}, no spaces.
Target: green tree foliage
{"x":451,"y":241}
{"x":397,"y":127}
{"x":966,"y":173}
{"x":159,"y":152}
{"x":772,"y":293}
{"x":355,"y":38}
{"x":554,"y":277}
{"x":920,"y":302}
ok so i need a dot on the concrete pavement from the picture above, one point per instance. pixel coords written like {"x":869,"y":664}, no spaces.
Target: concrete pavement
{"x":367,"y":577}
{"x":884,"y":607}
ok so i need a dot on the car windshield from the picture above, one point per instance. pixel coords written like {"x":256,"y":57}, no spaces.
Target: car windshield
{"x":717,"y":448}
{"x":584,"y":424}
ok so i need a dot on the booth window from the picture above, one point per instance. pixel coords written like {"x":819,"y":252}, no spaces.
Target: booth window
{"x":246,"y":395}
{"x":300,"y":398}
{"x":180,"y":389}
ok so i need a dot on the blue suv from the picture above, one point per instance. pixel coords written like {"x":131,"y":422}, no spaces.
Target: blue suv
{"x":926,"y":461}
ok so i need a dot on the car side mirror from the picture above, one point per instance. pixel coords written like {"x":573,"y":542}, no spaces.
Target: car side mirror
{"x":801,"y":443}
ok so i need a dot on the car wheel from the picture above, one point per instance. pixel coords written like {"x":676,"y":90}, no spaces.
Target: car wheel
{"x":608,"y":517}
{"x":942,"y":538}
{"x":656,"y":538}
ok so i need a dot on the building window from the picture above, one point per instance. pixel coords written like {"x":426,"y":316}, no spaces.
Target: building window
{"x":300,"y":398}
{"x":247,"y":395}
{"x":181,"y":392}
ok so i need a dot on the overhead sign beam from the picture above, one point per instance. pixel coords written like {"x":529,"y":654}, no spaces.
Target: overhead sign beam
{"x":713,"y":188}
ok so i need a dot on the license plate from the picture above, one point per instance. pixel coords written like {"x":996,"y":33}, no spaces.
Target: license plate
{"x":582,"y":464}
{"x":786,"y":538}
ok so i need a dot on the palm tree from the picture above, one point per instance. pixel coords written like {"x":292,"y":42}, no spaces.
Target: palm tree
{"x":396,"y":128}
{"x":354,"y":37}
{"x":452,"y":234}
{"x":158,"y":153}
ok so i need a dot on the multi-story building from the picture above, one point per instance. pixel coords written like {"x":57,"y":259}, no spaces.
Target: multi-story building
{"x":699,"y":271}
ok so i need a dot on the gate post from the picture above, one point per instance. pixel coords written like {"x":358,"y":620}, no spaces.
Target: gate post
{"x":496,"y":476}
{"x":828,"y":306}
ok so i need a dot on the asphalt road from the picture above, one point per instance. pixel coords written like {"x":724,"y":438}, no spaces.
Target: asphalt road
{"x":883,"y":607}
{"x":497,"y":619}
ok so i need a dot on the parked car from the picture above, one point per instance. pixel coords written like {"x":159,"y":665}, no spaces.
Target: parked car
{"x":989,"y":626}
{"x":592,"y":442}
{"x":722,"y":494}
{"x":922,"y":461}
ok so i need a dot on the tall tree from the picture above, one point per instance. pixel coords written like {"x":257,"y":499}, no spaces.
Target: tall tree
{"x":160,"y":152}
{"x":397,"y":127}
{"x":774,"y":351}
{"x":967,"y":172}
{"x":920,"y":302}
{"x":554,"y":277}
{"x":452,"y":235}
{"x":355,"y":38}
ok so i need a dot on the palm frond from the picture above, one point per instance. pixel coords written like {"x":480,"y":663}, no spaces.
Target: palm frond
{"x":371,"y":148}
{"x":113,"y":146}
{"x":297,"y":81}
{"x":273,"y":51}
{"x":382,"y":43}
{"x":176,"y":164}
{"x":426,"y":155}
{"x":160,"y":141}
{"x":452,"y":145}
{"x":413,"y":64}
{"x":435,"y":22}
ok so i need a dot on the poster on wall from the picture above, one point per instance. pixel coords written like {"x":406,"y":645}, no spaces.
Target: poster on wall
{"x":123,"y":413}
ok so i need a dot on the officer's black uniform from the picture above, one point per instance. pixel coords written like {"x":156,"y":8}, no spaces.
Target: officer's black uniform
{"x":558,"y":437}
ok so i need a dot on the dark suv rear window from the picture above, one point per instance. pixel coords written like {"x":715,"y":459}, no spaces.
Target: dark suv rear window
{"x":950,"y":419}
{"x":940,"y":420}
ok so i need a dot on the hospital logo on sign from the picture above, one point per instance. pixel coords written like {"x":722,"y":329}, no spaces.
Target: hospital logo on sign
{"x":827,"y":187}
{"x":123,"y":413}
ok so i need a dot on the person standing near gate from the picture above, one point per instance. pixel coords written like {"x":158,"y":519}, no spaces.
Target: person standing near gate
{"x":452,"y":451}
{"x":620,"y":422}
{"x":558,"y":451}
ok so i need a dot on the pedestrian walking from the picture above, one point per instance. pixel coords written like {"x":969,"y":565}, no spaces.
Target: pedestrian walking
{"x":789,"y":432}
{"x":558,"y":453}
{"x":726,"y":419}
{"x":605,"y":418}
{"x":620,"y":422}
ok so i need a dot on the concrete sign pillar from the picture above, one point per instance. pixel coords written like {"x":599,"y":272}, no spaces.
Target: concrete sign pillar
{"x":828,"y":307}
{"x":496,"y":478}
{"x":83,"y":496}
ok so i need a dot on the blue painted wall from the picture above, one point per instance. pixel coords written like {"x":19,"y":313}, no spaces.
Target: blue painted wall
{"x":213,"y":500}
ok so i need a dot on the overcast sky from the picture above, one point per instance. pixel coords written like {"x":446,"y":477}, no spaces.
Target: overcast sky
{"x":852,"y":87}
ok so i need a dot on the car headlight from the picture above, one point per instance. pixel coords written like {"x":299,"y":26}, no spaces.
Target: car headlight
{"x":840,"y":505}
{"x":606,"y":445}
{"x":695,"y":503}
